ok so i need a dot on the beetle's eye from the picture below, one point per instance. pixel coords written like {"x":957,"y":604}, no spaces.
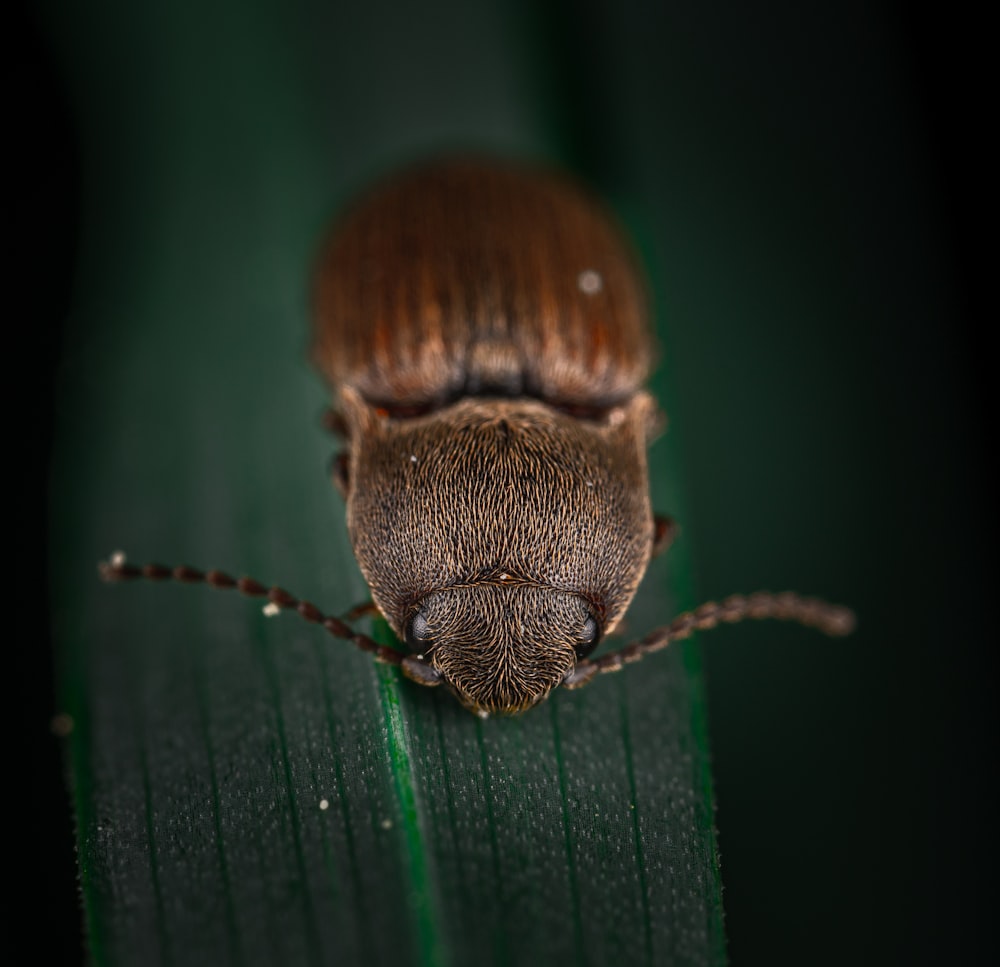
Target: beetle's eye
{"x":417,"y":632}
{"x":589,"y":636}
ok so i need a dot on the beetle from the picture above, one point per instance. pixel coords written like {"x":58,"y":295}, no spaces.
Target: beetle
{"x":485,"y":329}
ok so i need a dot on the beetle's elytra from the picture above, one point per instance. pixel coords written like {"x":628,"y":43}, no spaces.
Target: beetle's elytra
{"x":485,"y":330}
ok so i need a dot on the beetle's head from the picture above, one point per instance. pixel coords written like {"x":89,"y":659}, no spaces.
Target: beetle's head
{"x":502,"y":647}
{"x":500,"y":538}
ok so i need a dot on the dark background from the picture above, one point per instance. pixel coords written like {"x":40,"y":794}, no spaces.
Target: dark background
{"x":907,"y":844}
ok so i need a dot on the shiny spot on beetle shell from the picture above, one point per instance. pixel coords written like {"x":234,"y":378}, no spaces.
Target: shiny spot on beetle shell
{"x":589,"y":282}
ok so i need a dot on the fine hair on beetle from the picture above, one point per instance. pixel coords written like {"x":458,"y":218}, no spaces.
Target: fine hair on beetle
{"x":484,"y":328}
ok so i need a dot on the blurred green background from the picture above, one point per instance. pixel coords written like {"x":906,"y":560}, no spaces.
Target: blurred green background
{"x":800,"y":182}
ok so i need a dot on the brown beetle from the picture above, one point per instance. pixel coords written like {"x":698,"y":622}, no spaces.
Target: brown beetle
{"x":485,"y":329}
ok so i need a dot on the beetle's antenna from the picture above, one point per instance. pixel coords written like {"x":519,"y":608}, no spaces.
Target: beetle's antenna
{"x":115,"y":569}
{"x":831,"y":619}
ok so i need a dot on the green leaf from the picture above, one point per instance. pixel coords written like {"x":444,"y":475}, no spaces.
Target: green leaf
{"x":247,"y":790}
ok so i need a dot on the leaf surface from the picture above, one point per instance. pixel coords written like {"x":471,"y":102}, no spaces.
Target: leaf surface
{"x":247,"y":790}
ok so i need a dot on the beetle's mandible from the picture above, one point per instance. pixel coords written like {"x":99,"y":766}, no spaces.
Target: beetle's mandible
{"x":485,"y":330}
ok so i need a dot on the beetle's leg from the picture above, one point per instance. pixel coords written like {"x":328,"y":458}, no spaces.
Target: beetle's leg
{"x":665,"y":531}
{"x":334,"y":422}
{"x":366,"y":609}
{"x":278,"y":598}
{"x":340,"y":465}
{"x":831,"y":619}
{"x":420,"y":671}
{"x":340,"y":473}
